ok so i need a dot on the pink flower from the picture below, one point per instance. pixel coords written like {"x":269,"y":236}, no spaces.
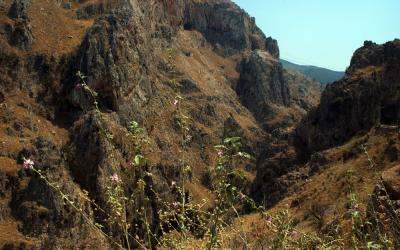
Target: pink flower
{"x":220,"y":153}
{"x":28,"y":164}
{"x":130,"y":164}
{"x":174,"y":204}
{"x":175,"y":102}
{"x":355,"y":206}
{"x":115,"y":178}
{"x":78,"y":85}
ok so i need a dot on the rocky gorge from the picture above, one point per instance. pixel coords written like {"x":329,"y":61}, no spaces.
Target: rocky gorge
{"x":190,"y":74}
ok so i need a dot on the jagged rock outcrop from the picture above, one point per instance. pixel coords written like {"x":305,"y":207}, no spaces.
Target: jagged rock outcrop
{"x":95,"y":157}
{"x":367,"y":96}
{"x":20,"y":33}
{"x":113,"y":44}
{"x":121,"y":39}
{"x":43,"y":210}
{"x":225,"y":24}
{"x":18,"y":9}
{"x":91,"y":10}
{"x":261,"y":84}
{"x":138,"y":56}
{"x":304,"y":91}
{"x":278,"y":98}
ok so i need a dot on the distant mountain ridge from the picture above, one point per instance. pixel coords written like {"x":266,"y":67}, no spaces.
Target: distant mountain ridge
{"x":319,"y":74}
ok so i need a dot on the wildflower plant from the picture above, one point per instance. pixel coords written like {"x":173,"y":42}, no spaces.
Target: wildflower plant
{"x":130,"y":220}
{"x":29,"y":165}
{"x":119,"y":202}
{"x":83,"y":85}
{"x":227,"y":195}
{"x":116,"y":201}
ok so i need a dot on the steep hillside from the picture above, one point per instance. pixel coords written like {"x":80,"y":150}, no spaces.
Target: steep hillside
{"x":325,"y":200}
{"x":319,"y":74}
{"x":277,"y":97}
{"x":366,"y":97}
{"x":345,"y":194}
{"x":110,"y":112}
{"x":74,"y":75}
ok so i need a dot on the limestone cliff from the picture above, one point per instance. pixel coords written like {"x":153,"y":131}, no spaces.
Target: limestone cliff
{"x":138,"y":56}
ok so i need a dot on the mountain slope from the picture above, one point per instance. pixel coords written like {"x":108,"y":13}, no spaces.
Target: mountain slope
{"x":171,"y":66}
{"x":108,"y":125}
{"x":347,"y":188}
{"x":319,"y":74}
{"x":366,"y":97}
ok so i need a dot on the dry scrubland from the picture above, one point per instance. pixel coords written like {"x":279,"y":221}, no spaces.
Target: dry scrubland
{"x":172,"y":125}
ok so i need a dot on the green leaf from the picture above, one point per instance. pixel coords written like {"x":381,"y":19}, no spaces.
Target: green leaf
{"x":232,"y":140}
{"x":138,"y":159}
{"x":372,"y":245}
{"x":220,"y":147}
{"x":245,"y":155}
{"x":133,"y":125}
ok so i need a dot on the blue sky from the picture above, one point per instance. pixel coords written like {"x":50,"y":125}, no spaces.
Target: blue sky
{"x":325,"y":32}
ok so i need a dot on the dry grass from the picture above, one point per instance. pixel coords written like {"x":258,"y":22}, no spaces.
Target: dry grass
{"x":55,"y":29}
{"x":328,"y":188}
{"x":24,"y":110}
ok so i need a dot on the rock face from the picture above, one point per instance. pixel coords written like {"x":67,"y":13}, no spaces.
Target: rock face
{"x":138,"y":58}
{"x":278,"y":99}
{"x":304,"y":91}
{"x":265,"y":88}
{"x":106,"y":55}
{"x":367,"y":96}
{"x":224,"y":23}
{"x":261,"y":83}
{"x":18,"y":9}
{"x":20,"y":33}
{"x":91,"y":10}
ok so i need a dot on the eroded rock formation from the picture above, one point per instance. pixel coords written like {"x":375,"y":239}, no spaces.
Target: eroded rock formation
{"x":137,"y":56}
{"x":367,"y":96}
